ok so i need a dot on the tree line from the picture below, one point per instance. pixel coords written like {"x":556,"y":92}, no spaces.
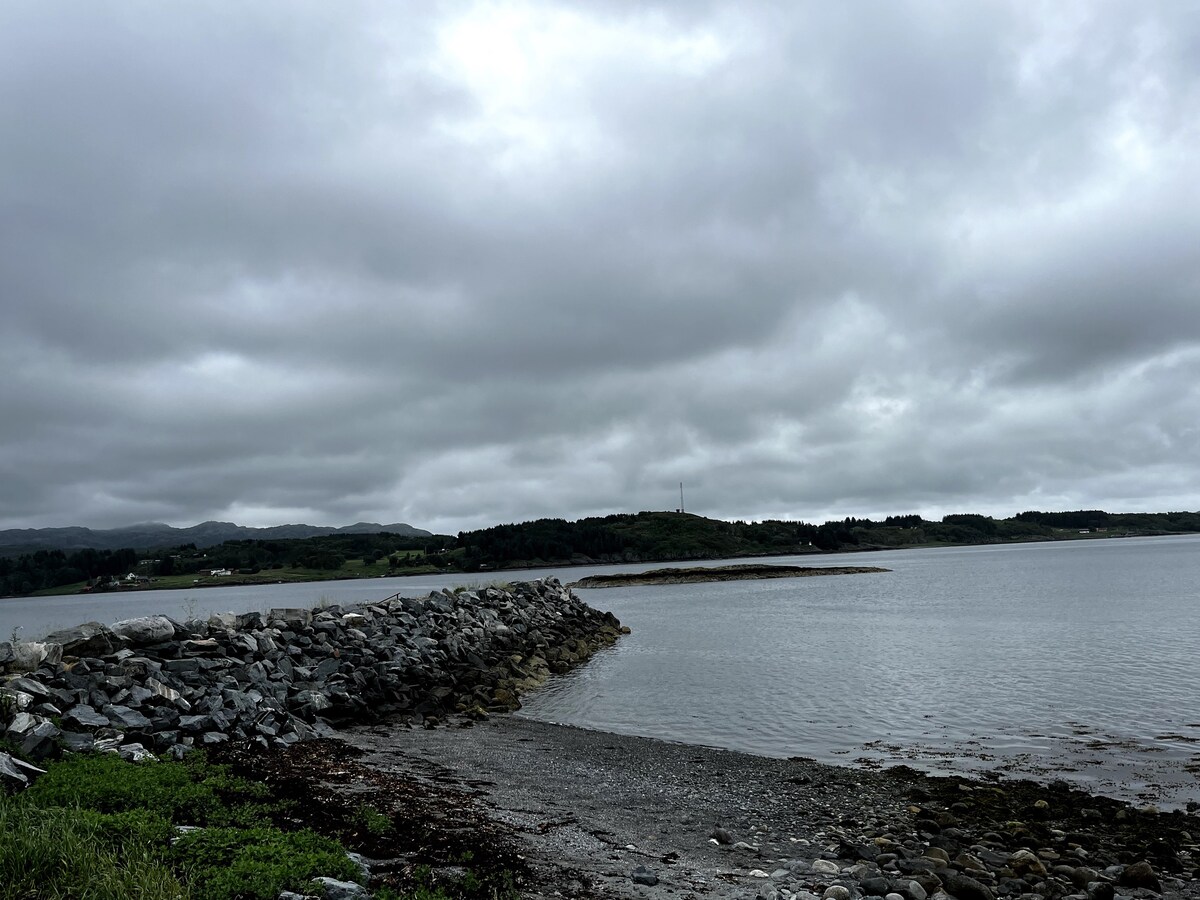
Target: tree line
{"x":53,"y":568}
{"x":661,"y":536}
{"x":626,"y":537}
{"x":48,"y":569}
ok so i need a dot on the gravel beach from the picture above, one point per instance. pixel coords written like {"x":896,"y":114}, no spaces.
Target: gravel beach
{"x":592,"y":813}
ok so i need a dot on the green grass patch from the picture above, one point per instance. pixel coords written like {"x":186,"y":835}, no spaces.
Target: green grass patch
{"x":372,"y":821}
{"x":96,"y":826}
{"x":243,"y":863}
{"x":61,"y":853}
{"x":191,"y":792}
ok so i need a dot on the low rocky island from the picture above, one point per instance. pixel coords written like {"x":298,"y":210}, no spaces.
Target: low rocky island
{"x":696,"y":574}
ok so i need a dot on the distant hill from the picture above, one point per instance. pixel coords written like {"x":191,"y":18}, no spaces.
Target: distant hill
{"x":152,"y":535}
{"x":661,"y":536}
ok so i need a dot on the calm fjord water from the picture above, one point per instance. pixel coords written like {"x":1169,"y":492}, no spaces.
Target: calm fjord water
{"x":1077,"y":660}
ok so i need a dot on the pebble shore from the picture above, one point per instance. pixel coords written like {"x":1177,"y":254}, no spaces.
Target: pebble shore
{"x":600,"y":814}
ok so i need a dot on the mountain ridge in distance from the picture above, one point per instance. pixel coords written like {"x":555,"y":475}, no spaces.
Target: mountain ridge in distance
{"x":150,"y":535}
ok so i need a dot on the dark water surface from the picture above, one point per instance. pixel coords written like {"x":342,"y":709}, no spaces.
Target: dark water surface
{"x":1077,"y":660}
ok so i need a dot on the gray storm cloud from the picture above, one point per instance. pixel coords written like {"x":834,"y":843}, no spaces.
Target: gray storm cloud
{"x":460,"y":264}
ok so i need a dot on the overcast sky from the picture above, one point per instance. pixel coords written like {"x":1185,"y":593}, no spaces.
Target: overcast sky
{"x":454,"y":265}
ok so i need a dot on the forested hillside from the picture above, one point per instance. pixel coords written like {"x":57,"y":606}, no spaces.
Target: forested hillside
{"x":658,"y":536}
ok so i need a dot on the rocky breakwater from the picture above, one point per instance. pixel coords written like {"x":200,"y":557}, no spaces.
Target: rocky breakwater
{"x":153,"y":685}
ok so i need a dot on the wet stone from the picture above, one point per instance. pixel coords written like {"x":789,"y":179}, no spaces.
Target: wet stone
{"x":1140,"y":875}
{"x":642,"y":875}
{"x":964,"y":887}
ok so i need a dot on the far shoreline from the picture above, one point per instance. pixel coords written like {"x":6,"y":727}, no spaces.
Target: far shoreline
{"x":499,"y":574}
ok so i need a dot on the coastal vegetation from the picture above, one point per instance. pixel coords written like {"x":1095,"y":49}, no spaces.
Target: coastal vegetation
{"x":97,"y":827}
{"x":627,"y":537}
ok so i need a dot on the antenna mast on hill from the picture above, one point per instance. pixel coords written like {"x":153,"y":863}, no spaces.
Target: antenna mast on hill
{"x":680,"y":497}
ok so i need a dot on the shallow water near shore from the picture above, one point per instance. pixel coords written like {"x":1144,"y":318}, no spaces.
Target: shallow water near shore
{"x":1078,"y":661}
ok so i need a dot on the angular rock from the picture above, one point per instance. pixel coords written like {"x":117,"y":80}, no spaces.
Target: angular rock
{"x":124,"y":717}
{"x":201,"y":647}
{"x":85,"y":717}
{"x":30,"y":686}
{"x":145,"y":630}
{"x":226,"y":621}
{"x":195,"y":724}
{"x":163,"y":692}
{"x":293,"y":617}
{"x":134,"y":753}
{"x":41,"y":742}
{"x":77,"y":742}
{"x":17,"y":773}
{"x":327,"y":667}
{"x":88,"y":639}
{"x":21,"y":724}
{"x":108,"y":744}
{"x":27,"y":656}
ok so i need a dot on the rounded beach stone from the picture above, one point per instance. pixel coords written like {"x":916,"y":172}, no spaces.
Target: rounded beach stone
{"x":642,"y":875}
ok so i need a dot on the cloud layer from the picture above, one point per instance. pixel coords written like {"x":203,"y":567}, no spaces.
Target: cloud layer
{"x":455,"y":265}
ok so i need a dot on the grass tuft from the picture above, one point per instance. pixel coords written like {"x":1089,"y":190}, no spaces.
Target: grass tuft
{"x":70,"y":853}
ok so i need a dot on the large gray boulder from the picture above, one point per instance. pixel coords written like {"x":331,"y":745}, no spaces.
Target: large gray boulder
{"x":145,"y":630}
{"x":88,"y":639}
{"x":27,"y":656}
